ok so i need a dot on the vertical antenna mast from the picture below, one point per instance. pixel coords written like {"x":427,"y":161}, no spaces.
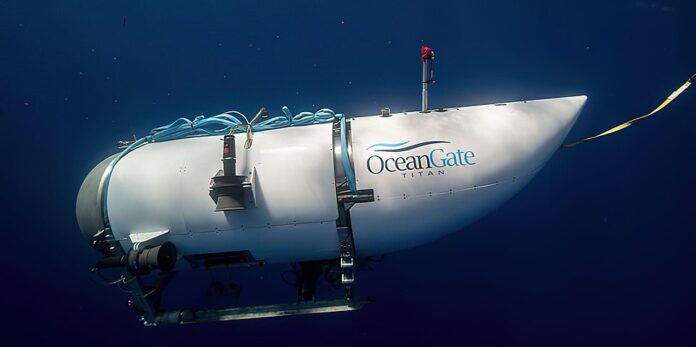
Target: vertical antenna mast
{"x":427,"y":56}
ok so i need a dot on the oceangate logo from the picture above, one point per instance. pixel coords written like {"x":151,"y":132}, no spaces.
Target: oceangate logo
{"x":429,"y":162}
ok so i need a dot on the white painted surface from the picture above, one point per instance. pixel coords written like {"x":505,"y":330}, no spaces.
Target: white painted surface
{"x":164,"y":186}
{"x":146,"y":236}
{"x":511,"y":143}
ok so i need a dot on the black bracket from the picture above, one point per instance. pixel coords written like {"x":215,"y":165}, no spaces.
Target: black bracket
{"x":228,"y":189}
{"x":345,"y":200}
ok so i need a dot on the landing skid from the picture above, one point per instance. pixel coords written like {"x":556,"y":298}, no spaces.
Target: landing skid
{"x":146,"y":299}
{"x":256,"y":312}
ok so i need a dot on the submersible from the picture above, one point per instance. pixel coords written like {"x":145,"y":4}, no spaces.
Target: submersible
{"x":322,"y":190}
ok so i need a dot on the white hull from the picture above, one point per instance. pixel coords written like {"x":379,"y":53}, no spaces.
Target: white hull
{"x":481,"y":157}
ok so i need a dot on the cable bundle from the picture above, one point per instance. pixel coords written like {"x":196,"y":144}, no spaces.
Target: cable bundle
{"x":222,"y":124}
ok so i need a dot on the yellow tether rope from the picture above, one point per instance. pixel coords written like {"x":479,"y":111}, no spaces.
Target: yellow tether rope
{"x":630,"y":122}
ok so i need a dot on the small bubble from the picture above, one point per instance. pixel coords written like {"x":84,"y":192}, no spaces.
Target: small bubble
{"x":115,"y":101}
{"x":21,"y":25}
{"x":115,"y":58}
{"x":26,"y":103}
{"x":80,"y":73}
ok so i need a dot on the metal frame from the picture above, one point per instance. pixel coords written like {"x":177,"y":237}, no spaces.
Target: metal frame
{"x":146,"y":298}
{"x":345,"y":199}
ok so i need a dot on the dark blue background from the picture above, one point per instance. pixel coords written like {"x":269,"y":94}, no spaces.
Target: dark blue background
{"x":598,"y":250}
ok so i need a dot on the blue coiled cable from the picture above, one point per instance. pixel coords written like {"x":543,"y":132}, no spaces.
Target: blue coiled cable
{"x":222,"y":124}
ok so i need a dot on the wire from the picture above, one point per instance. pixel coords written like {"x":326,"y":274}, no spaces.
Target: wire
{"x":105,"y":281}
{"x":151,"y":292}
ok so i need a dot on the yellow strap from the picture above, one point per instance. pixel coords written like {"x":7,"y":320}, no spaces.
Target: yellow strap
{"x":630,"y":122}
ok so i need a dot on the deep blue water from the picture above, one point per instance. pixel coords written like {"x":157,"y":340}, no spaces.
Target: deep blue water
{"x":599,"y":249}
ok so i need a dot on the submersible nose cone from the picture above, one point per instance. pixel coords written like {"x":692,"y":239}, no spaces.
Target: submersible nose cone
{"x":88,"y":208}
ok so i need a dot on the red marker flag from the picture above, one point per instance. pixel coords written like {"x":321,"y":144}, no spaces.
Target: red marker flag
{"x":426,"y":53}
